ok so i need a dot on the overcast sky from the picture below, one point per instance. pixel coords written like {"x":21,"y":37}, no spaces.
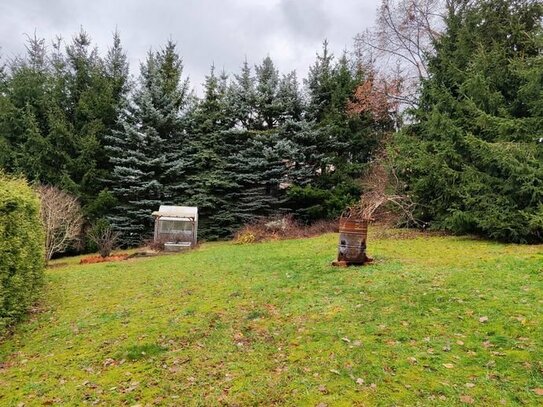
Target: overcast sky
{"x":222,"y":32}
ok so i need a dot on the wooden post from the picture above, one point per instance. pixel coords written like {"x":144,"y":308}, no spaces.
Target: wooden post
{"x":193,"y":229}
{"x":156,"y":229}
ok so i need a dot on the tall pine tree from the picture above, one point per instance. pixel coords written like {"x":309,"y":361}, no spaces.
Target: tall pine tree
{"x":472,"y":158}
{"x":147,"y":150}
{"x":207,"y":182}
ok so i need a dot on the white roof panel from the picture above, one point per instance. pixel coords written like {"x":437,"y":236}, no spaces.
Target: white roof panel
{"x":176,"y":218}
{"x":177,"y":211}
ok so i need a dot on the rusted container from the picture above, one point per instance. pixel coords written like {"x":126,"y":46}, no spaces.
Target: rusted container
{"x":353,"y":233}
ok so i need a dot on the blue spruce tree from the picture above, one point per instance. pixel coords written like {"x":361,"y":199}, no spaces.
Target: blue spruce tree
{"x":147,"y":149}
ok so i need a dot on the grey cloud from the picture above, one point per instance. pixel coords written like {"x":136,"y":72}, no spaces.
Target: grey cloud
{"x":206,"y":31}
{"x":306,"y":18}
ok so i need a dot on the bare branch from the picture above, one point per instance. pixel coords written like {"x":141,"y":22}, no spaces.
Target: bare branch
{"x":61,"y":217}
{"x":381,"y":186}
{"x":404,"y":35}
{"x":104,"y":237}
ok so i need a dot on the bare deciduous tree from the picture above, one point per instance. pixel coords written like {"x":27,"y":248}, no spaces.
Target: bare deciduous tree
{"x":401,"y":41}
{"x":104,"y":237}
{"x":61,"y":217}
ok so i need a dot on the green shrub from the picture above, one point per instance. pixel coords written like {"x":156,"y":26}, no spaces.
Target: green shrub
{"x":21,"y":249}
{"x":310,"y":203}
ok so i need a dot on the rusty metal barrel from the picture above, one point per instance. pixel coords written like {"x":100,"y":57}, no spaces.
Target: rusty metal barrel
{"x":353,"y":233}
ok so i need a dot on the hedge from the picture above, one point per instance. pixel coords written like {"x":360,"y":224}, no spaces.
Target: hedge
{"x":21,"y":249}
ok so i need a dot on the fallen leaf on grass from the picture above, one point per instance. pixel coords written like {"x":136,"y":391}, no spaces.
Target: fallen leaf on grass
{"x":132,"y":386}
{"x":322,"y":388}
{"x":538,"y":391}
{"x":360,"y":381}
{"x":467,"y":399}
{"x":109,"y":362}
{"x":482,"y":320}
{"x":470,"y":385}
{"x":521,"y":319}
{"x":412,"y":360}
{"x":448,"y":365}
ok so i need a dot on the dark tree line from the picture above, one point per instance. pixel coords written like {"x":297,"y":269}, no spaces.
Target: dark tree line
{"x":57,"y":106}
{"x":256,"y":144}
{"x":259,"y":143}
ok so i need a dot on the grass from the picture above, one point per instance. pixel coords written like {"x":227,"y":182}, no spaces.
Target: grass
{"x":434,"y":321}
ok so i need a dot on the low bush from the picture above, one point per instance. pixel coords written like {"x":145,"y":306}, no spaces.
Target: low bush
{"x":103,"y":236}
{"x":21,"y":249}
{"x":282,"y":228}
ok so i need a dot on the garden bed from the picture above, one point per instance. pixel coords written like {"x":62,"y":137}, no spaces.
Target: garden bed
{"x":100,"y":259}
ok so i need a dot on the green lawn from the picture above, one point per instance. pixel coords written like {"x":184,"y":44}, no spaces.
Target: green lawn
{"x":434,"y":321}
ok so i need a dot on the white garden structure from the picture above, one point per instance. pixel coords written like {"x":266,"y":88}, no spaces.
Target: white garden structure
{"x":176,"y":227}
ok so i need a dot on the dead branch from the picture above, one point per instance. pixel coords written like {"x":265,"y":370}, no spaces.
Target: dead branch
{"x":381,"y":186}
{"x":404,"y":35}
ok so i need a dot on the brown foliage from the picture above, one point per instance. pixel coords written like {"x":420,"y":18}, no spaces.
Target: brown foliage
{"x":281,"y":229}
{"x":375,"y":96}
{"x":102,"y":259}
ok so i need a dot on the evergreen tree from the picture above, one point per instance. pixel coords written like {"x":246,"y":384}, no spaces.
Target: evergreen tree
{"x":97,"y":89}
{"x":3,"y":75}
{"x":471,"y":159}
{"x":267,"y":106}
{"x":26,"y":119}
{"x":148,"y":150}
{"x":57,"y":107}
{"x":242,"y":98}
{"x":259,"y":168}
{"x":290,"y":99}
{"x":267,"y":159}
{"x":319,"y":84}
{"x":344,"y":141}
{"x":116,"y":70}
{"x":207,"y":182}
